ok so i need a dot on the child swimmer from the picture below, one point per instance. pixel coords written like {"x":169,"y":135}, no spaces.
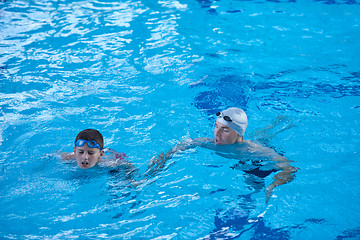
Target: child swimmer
{"x":89,"y":150}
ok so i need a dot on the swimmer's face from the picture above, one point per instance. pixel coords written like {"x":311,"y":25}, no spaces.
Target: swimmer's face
{"x":224,"y":135}
{"x":87,"y":157}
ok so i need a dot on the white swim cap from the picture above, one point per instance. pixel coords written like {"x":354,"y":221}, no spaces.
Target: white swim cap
{"x":234,"y":118}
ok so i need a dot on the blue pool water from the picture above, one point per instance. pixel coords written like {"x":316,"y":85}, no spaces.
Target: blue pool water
{"x":149,"y":74}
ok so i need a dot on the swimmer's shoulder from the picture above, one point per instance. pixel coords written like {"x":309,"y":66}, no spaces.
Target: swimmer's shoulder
{"x":249,"y":146}
{"x":208,"y":143}
{"x":111,"y":158}
{"x":65,"y":156}
{"x":257,"y":147}
{"x":252,"y":143}
{"x":110,"y":153}
{"x":203,"y":140}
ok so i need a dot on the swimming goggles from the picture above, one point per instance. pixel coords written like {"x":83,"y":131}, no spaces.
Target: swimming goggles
{"x":226,"y":118}
{"x":90,"y":143}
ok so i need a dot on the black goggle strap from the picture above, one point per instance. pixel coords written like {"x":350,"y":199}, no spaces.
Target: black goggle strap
{"x":226,"y":118}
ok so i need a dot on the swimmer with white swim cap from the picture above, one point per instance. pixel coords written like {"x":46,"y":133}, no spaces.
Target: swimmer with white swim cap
{"x":230,"y":127}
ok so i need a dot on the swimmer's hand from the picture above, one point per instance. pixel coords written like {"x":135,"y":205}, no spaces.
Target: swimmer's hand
{"x":157,"y":161}
{"x":269,"y":191}
{"x":135,"y":183}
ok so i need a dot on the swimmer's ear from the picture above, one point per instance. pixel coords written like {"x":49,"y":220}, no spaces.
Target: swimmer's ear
{"x":74,"y":149}
{"x":101,"y":153}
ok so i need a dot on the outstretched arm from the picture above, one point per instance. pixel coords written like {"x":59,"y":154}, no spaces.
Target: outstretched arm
{"x":158,"y":162}
{"x":286,"y":175}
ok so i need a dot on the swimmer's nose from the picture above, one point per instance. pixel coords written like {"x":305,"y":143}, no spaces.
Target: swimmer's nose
{"x":217,"y":133}
{"x":86,"y":156}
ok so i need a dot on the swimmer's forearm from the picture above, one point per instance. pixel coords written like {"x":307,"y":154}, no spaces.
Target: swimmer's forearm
{"x":158,"y":162}
{"x":284,"y":164}
{"x":286,"y":175}
{"x":184,"y":145}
